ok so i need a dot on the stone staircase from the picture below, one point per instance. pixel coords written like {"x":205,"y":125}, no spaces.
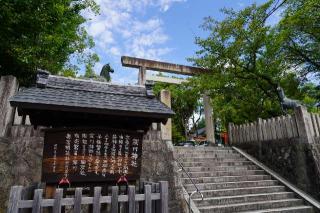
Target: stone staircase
{"x":231,"y":183}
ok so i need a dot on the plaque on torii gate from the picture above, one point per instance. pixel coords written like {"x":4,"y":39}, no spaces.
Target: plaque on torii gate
{"x":144,"y":64}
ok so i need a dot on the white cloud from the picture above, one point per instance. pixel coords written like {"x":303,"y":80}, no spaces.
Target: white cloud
{"x":121,"y":28}
{"x":115,"y":51}
{"x":166,"y":4}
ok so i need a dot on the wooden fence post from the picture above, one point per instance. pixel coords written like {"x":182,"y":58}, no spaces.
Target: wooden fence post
{"x":37,"y":199}
{"x":114,"y":199}
{"x":96,"y":200}
{"x":16,"y":204}
{"x":57,"y":201}
{"x":14,"y":198}
{"x":304,"y":124}
{"x":147,"y":201}
{"x":77,"y":200}
{"x":259,"y":129}
{"x":315,"y":125}
{"x":131,"y":199}
{"x":164,"y":196}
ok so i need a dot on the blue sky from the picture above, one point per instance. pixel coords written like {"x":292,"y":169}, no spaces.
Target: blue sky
{"x":154,"y":29}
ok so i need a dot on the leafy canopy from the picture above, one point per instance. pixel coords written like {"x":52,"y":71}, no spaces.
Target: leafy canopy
{"x":300,"y":32}
{"x":248,"y":59}
{"x":44,"y":34}
{"x":184,"y":102}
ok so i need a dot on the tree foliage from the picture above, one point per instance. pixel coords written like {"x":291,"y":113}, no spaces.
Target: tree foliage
{"x":43,"y":34}
{"x":184,"y":102}
{"x":249,"y":58}
{"x":300,"y":32}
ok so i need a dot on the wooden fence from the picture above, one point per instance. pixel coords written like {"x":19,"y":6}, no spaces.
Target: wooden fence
{"x":57,"y":204}
{"x":301,"y":124}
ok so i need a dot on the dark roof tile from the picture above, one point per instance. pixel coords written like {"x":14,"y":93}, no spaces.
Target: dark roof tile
{"x":91,"y":95}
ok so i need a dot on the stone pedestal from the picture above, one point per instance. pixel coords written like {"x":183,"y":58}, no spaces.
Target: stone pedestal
{"x":166,"y":130}
{"x":8,"y":87}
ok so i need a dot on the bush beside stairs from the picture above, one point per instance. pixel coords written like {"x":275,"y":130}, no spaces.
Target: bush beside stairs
{"x":231,"y":183}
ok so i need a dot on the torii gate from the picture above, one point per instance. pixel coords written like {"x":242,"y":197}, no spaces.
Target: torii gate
{"x":144,"y":64}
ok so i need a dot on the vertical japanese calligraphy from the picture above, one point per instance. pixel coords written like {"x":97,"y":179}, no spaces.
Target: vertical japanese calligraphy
{"x":91,"y":155}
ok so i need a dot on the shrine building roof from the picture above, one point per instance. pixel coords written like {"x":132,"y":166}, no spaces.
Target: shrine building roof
{"x":56,"y":93}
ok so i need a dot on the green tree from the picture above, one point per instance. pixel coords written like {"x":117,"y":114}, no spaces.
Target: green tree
{"x":248,"y":59}
{"x":43,"y":34}
{"x":184,"y":102}
{"x":300,"y":33}
{"x":243,"y":53}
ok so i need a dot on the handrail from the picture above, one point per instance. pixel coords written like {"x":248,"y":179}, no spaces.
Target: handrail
{"x":194,"y":192}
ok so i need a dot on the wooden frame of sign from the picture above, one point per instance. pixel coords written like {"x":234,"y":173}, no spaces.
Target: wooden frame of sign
{"x":89,"y":155}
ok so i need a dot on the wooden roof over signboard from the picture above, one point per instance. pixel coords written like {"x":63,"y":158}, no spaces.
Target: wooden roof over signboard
{"x":61,"y":94}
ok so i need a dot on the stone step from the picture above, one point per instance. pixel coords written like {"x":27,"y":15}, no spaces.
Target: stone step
{"x":240,"y":191}
{"x":225,"y":200}
{"x":197,"y":148}
{"x":231,"y":163}
{"x":210,"y":155}
{"x":229,"y":185}
{"x":226,"y":179}
{"x":251,"y":206}
{"x":224,"y":151}
{"x":293,"y":209}
{"x":221,"y":168}
{"x":211,"y":159}
{"x":223,"y":173}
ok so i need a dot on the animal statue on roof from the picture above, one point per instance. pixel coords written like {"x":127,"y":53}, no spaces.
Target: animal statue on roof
{"x":105,"y":72}
{"x":286,"y":103}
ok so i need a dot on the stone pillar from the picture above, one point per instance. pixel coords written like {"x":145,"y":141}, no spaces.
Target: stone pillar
{"x":304,"y":124}
{"x":142,"y":76}
{"x":166,"y":130}
{"x":208,"y":119}
{"x":8,"y":88}
{"x":230,"y":133}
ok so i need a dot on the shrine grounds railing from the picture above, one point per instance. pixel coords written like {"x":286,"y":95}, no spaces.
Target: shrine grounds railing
{"x":58,"y":203}
{"x":301,"y":125}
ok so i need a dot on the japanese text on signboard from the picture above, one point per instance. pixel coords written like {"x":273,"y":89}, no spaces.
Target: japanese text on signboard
{"x":97,"y":155}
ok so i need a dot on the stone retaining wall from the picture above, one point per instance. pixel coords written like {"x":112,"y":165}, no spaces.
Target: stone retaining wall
{"x":158,"y":163}
{"x":20,"y":160}
{"x":297,"y":162}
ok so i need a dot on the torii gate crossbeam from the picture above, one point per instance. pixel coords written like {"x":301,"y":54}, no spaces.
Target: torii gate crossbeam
{"x":144,"y":64}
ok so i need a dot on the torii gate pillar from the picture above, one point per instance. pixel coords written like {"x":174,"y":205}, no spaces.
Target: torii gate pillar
{"x":145,"y":64}
{"x":166,"y":129}
{"x":208,"y":119}
{"x":142,"y":76}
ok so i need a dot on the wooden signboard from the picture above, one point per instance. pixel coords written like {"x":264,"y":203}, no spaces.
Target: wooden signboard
{"x":91,"y":155}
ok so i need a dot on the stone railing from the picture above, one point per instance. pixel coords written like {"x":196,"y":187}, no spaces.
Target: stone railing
{"x":301,"y":125}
